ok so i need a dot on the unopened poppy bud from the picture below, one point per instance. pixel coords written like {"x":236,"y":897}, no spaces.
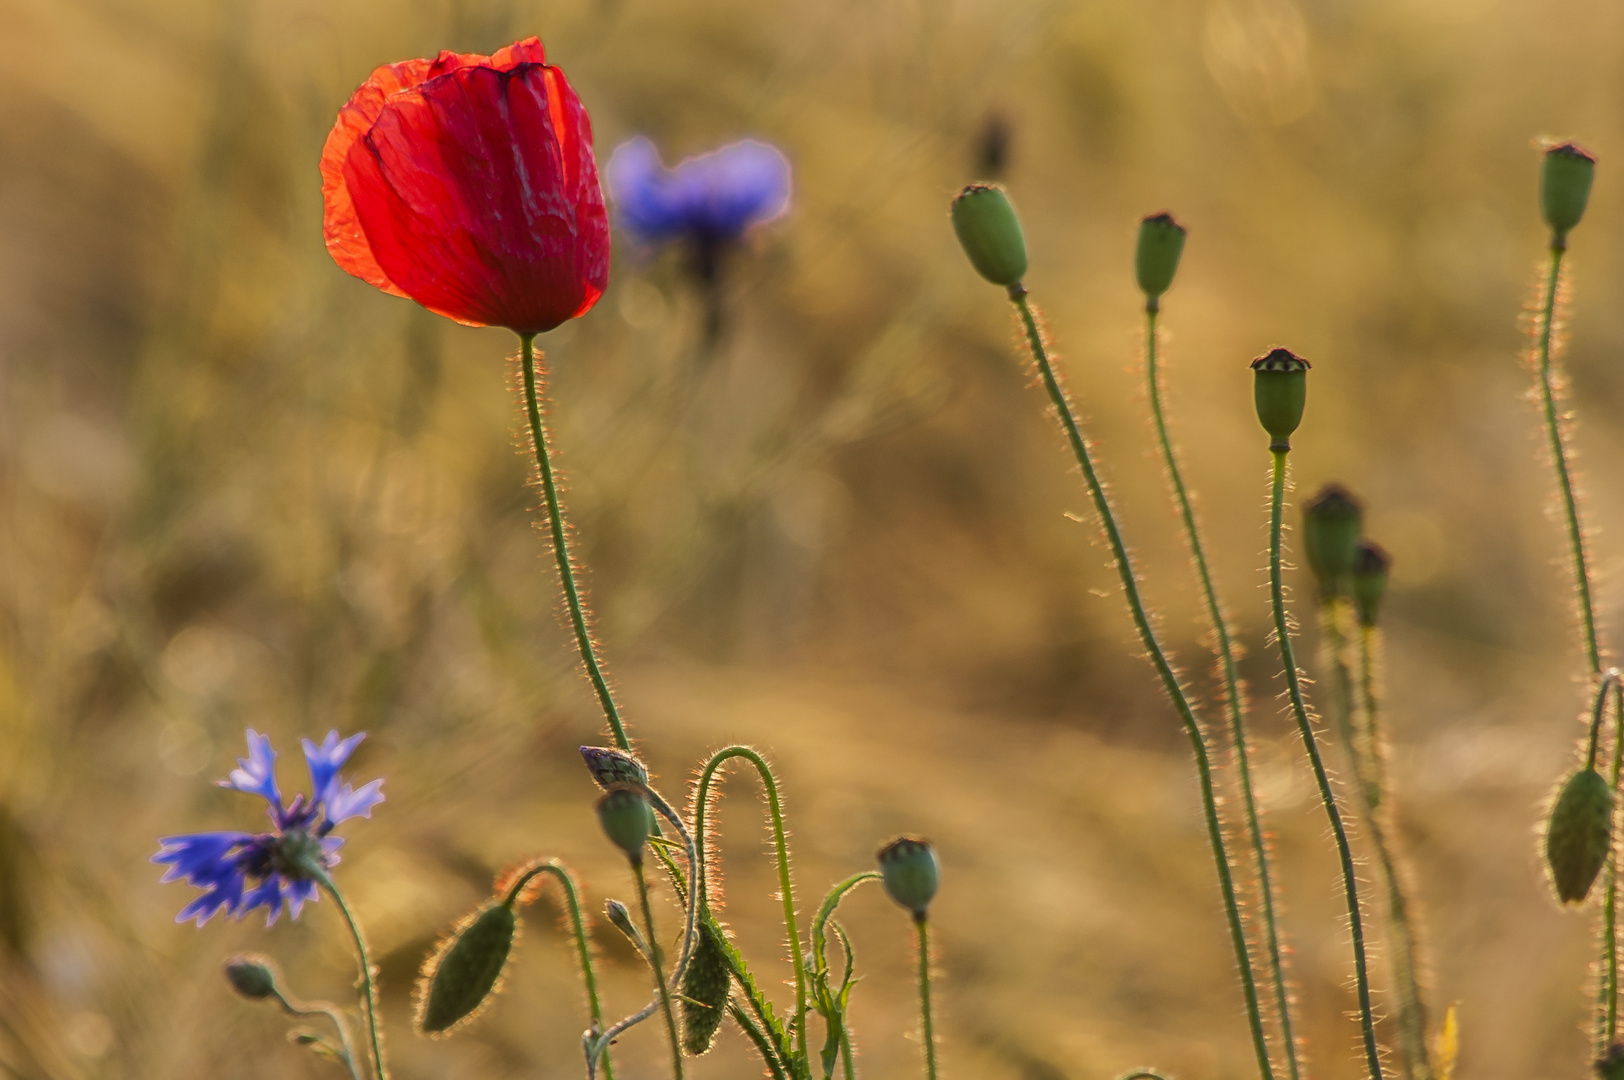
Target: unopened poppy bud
{"x":705,"y":988}
{"x":1564,"y":187}
{"x":252,"y":975}
{"x":1280,"y":389}
{"x":462,"y":975}
{"x":1161,"y":242}
{"x":990,"y":234}
{"x":1579,"y":834}
{"x":627,"y":820}
{"x":909,"y":870}
{"x":1369,"y":579}
{"x":622,"y":920}
{"x":1611,"y":1066}
{"x":1331,"y":522}
{"x":610,"y":767}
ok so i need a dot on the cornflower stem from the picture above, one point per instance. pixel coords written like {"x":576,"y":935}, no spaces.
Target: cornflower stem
{"x":927,"y":1029}
{"x":786,"y":886}
{"x":583,"y":947}
{"x":369,"y":996}
{"x":1235,"y":703}
{"x":1164,"y":669}
{"x":1358,"y":720}
{"x":573,"y":593}
{"x":1305,"y":727}
{"x":655,"y":962}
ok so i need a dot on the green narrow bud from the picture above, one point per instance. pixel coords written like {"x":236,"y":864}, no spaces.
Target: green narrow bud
{"x":1280,"y":389}
{"x":462,"y":975}
{"x":610,"y":767}
{"x":1331,"y":523}
{"x":1564,"y":187}
{"x":1369,"y":579}
{"x":910,"y":873}
{"x":990,"y":233}
{"x":627,"y":819}
{"x":705,"y":988}
{"x":622,"y":921}
{"x":252,"y":975}
{"x":1578,"y":834}
{"x":1161,"y":242}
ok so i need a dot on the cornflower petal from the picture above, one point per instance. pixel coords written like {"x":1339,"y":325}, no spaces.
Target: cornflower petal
{"x":325,"y":761}
{"x":256,"y":773}
{"x":712,"y":197}
{"x":346,"y":802}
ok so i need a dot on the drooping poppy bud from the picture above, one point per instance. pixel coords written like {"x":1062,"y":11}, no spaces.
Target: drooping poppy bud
{"x":1331,"y":522}
{"x":910,"y":873}
{"x":1369,"y":579}
{"x":990,"y":233}
{"x":252,"y":975}
{"x":1280,"y":390}
{"x":461,"y":976}
{"x":467,"y":183}
{"x":627,"y":819}
{"x":1156,"y":260}
{"x":610,"y":767}
{"x":705,"y":989}
{"x":1578,"y":834}
{"x":1564,"y":187}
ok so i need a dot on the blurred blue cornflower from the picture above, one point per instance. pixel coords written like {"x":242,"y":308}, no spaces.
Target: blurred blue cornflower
{"x":710,"y":199}
{"x":240,"y":871}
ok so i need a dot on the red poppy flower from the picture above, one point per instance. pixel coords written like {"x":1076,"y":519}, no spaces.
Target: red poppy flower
{"x":467,"y":183}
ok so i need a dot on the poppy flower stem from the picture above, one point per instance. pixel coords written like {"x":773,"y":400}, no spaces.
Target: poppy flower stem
{"x":655,"y":961}
{"x":1164,"y":669}
{"x":1305,"y":728}
{"x":927,"y":1029}
{"x":561,"y":551}
{"x":1234,"y":702}
{"x":369,"y":996}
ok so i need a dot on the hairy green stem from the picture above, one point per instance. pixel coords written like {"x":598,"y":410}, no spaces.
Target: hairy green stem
{"x":655,"y":962}
{"x":369,"y":998}
{"x":927,"y":1030}
{"x":1164,"y":670}
{"x":785,"y":883}
{"x":1607,"y":974}
{"x":1305,"y":728}
{"x":1365,"y":748}
{"x":753,"y":1032}
{"x":1235,"y":703}
{"x":573,"y":597}
{"x":583,"y":946}
{"x":346,"y":1050}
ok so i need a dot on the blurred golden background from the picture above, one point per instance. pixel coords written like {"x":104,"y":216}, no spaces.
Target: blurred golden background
{"x":241,"y":488}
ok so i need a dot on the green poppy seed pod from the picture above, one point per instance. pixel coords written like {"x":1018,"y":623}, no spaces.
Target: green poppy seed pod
{"x":1280,"y":389}
{"x":1564,"y":187}
{"x":1331,"y":523}
{"x":705,"y":988}
{"x":462,"y":974}
{"x":252,"y":975}
{"x":627,"y":819}
{"x":1578,"y":834}
{"x":990,"y":233}
{"x":909,"y":870}
{"x":1369,"y":579}
{"x":1161,"y":242}
{"x":610,"y":767}
{"x":1611,"y":1066}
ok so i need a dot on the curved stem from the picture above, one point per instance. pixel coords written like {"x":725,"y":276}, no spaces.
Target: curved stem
{"x":1305,"y":728}
{"x":781,"y":844}
{"x":826,"y":912}
{"x":583,"y":947}
{"x":369,"y":991}
{"x":1234,"y":702}
{"x":654,"y":961}
{"x":573,"y":594}
{"x":928,"y":1031}
{"x":1164,"y":670}
{"x":346,"y":1050}
{"x":1545,"y":371}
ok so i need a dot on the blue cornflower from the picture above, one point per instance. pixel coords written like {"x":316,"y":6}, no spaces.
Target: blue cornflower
{"x":240,"y":871}
{"x":710,"y":199}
